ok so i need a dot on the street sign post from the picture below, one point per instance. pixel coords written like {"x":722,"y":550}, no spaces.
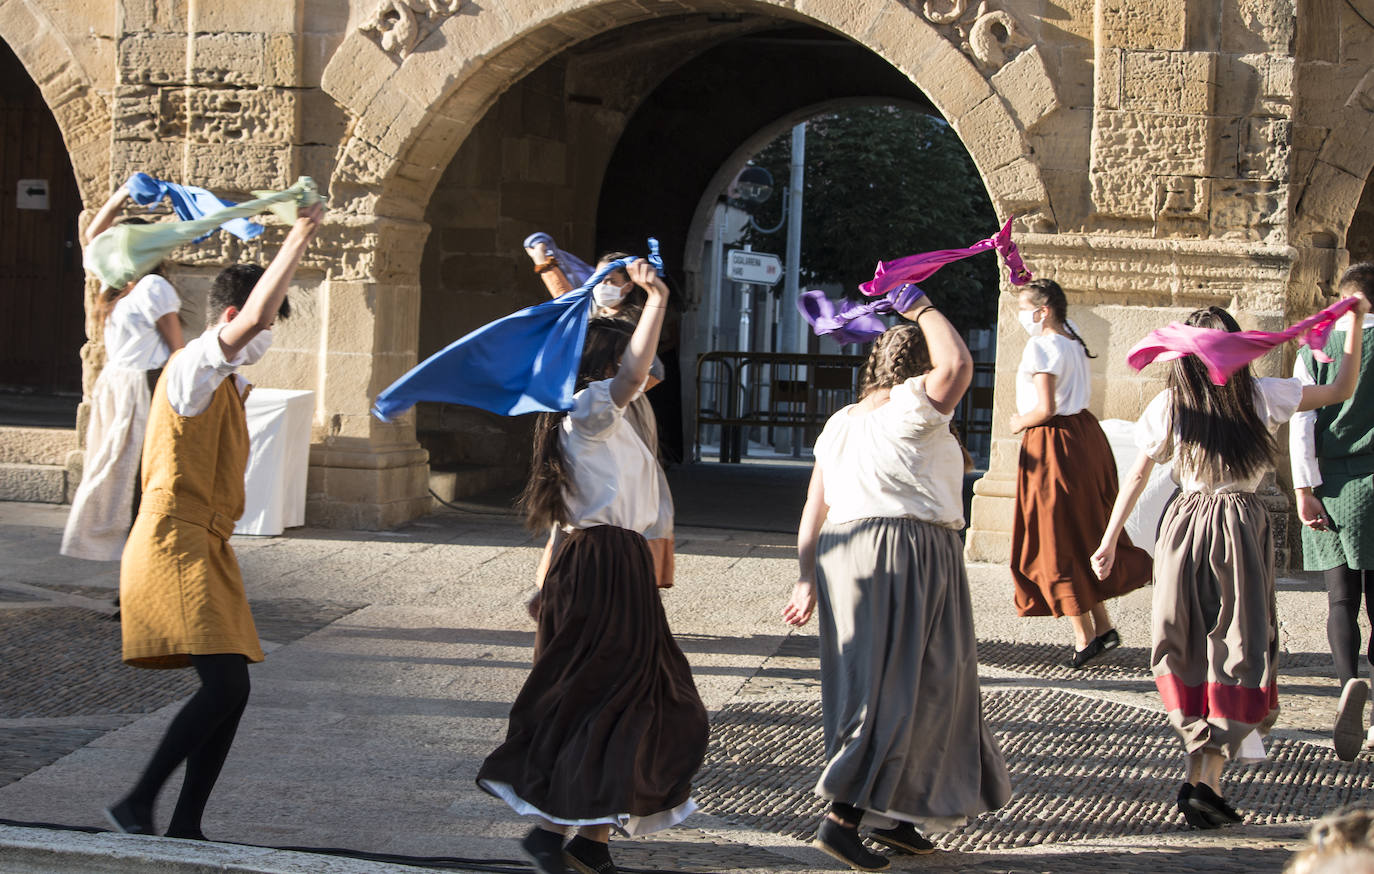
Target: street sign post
{"x":755,"y":268}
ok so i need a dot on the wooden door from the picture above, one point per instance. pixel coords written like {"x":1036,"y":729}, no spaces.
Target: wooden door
{"x":42,"y":318}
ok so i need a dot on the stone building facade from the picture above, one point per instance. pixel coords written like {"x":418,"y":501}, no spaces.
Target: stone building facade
{"x":1157,"y":156}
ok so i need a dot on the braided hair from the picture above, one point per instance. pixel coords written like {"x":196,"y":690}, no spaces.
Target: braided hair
{"x":898,"y":355}
{"x":1047,"y":293}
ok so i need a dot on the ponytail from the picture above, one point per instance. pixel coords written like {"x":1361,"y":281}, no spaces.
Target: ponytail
{"x":1047,"y":293}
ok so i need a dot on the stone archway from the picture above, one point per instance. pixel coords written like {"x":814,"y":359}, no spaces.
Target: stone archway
{"x":416,"y":85}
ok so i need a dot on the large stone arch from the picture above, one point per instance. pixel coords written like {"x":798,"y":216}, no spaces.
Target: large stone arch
{"x":82,"y":113}
{"x":414,"y":86}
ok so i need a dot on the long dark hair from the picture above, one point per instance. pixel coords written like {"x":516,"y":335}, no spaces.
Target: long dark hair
{"x":543,"y":500}
{"x":1220,"y":436}
{"x":1047,"y":293}
{"x":897,"y":355}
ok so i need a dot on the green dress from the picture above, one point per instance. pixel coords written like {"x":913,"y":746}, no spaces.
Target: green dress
{"x":1345,"y":452}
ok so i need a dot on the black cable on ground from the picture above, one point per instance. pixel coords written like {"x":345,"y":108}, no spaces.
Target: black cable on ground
{"x":442,"y":863}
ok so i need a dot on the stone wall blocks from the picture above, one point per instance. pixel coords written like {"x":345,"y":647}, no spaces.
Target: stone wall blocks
{"x":1142,"y":25}
{"x":358,"y":70}
{"x":249,"y":16}
{"x":1249,"y":210}
{"x":152,"y":59}
{"x":233,"y":116}
{"x":243,"y":167}
{"x":229,"y":59}
{"x":1016,"y":188}
{"x":163,"y":160}
{"x":1327,"y":197}
{"x":154,"y":16}
{"x":1025,"y":84}
{"x":999,"y":138}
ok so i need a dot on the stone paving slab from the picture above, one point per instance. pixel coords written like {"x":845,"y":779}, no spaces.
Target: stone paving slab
{"x":398,"y":654}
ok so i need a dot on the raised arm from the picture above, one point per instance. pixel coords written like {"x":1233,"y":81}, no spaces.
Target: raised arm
{"x":260,"y":311}
{"x":1131,"y":489}
{"x":639,"y":356}
{"x":549,"y":270}
{"x":106,"y":214}
{"x":1314,"y":396}
{"x":951,"y":365}
{"x":803,"y":602}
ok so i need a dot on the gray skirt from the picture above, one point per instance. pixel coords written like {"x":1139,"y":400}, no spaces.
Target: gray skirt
{"x":1214,"y":627}
{"x":904,"y":732}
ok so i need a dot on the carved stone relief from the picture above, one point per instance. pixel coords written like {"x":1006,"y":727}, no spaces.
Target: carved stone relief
{"x":990,"y":36}
{"x":400,"y":24}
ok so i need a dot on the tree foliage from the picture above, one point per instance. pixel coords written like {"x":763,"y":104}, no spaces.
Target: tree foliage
{"x":883,"y":182}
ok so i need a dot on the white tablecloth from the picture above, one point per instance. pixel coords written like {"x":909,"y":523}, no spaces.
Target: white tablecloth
{"x":279,"y":456}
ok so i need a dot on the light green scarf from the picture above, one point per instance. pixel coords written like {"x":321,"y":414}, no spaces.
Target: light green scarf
{"x":126,"y":252}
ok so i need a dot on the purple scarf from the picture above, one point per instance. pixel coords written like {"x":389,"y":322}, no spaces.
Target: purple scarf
{"x":917,"y":268}
{"x":1224,"y":353}
{"x":854,"y":322}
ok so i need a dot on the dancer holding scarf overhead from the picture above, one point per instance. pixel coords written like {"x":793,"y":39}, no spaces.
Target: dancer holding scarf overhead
{"x":141,"y":327}
{"x":879,"y":550}
{"x":608,"y":729}
{"x":1214,"y":630}
{"x":181,"y":589}
{"x":610,"y":296}
{"x":1065,"y":482}
{"x":1332,"y":452}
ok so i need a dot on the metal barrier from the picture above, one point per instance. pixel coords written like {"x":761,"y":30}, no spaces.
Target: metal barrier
{"x":740,"y":392}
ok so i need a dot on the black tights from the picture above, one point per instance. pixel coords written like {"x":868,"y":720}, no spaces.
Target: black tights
{"x":1345,"y":588}
{"x":200,"y":736}
{"x":846,"y":813}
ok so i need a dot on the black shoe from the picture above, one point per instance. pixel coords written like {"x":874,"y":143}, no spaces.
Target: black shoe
{"x":1211,"y":805}
{"x":1082,"y":656}
{"x":129,"y":818}
{"x":196,"y":835}
{"x":1195,"y":818}
{"x":587,"y":856}
{"x":544,"y":850}
{"x":1109,"y":639}
{"x":904,"y":838}
{"x":844,"y":844}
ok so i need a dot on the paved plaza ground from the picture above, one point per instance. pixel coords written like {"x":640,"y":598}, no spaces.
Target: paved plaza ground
{"x":394,"y":656}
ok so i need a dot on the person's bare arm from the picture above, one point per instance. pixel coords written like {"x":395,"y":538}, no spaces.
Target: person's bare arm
{"x":951,"y":365}
{"x":169,"y":326}
{"x":1045,"y":407}
{"x":1132,"y":487}
{"x":261,"y":308}
{"x":105,"y":216}
{"x":798,"y":609}
{"x":639,"y":356}
{"x":1339,"y":391}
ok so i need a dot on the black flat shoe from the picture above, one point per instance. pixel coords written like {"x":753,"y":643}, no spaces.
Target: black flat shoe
{"x":589,"y":857}
{"x":1109,"y":639}
{"x":544,"y":850}
{"x":1195,"y":818}
{"x":130,"y":819}
{"x":1213,"y":806}
{"x":844,"y":844}
{"x":904,"y":839}
{"x":1082,"y":656}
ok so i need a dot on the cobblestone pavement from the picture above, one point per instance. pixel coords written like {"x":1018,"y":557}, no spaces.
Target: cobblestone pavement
{"x":394,"y":655}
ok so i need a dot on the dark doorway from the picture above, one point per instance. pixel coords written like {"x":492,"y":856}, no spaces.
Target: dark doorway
{"x":42,"y":317}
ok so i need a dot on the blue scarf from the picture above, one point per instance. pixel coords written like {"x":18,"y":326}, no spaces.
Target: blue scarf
{"x":188,"y":202}
{"x":526,"y":362}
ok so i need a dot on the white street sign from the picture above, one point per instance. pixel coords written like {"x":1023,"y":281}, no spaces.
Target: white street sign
{"x":758,"y":268}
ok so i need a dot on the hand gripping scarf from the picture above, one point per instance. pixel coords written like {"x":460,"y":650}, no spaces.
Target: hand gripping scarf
{"x":126,"y":252}
{"x":188,"y":202}
{"x":574,"y":267}
{"x":916,"y":268}
{"x":1224,"y":353}
{"x":525,"y":362}
{"x":854,"y":322}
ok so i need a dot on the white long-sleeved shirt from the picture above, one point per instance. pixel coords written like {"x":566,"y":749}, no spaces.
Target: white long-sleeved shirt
{"x":1302,"y":430}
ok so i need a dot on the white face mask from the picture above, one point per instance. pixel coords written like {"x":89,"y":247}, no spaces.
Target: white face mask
{"x":1027,"y":320}
{"x":256,"y":348}
{"x":608,"y":294}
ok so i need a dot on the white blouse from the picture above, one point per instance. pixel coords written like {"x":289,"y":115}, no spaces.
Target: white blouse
{"x":1062,"y":356}
{"x":613,"y":477}
{"x":132,"y":340}
{"x":1276,"y":401}
{"x":899,"y":460}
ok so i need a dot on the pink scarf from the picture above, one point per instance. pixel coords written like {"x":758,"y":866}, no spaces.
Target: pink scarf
{"x":916,"y":268}
{"x":1224,"y":353}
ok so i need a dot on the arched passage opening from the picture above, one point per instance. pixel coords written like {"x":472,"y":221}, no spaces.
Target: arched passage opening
{"x":600,"y":146}
{"x":41,"y":280}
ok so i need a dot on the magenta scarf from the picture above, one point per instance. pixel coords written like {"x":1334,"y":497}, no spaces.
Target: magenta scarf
{"x":1224,"y":353}
{"x":917,"y":268}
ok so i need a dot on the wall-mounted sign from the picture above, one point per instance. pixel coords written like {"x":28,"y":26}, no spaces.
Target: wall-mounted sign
{"x":758,"y":268}
{"x":32,"y":194}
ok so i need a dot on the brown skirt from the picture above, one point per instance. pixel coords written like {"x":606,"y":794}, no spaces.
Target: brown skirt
{"x":608,"y":727}
{"x":1065,"y":487}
